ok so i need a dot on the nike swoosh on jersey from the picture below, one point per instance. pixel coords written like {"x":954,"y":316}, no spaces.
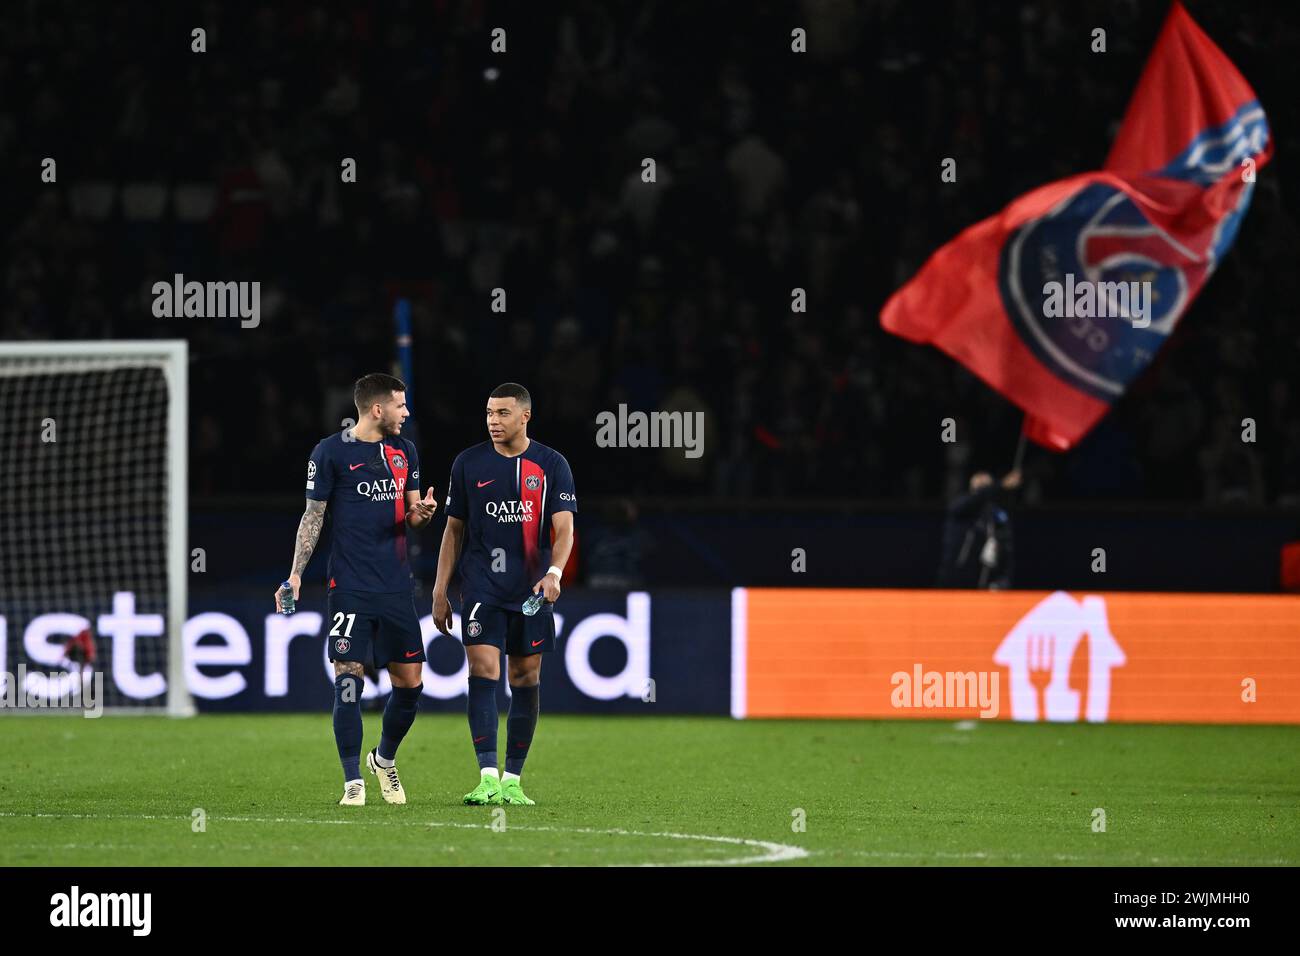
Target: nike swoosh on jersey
{"x":488,"y":482}
{"x":355,"y":467}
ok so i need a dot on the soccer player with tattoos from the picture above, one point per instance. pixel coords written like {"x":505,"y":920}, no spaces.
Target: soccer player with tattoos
{"x":369,"y":479}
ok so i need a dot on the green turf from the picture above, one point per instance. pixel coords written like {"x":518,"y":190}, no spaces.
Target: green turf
{"x":121,"y":791}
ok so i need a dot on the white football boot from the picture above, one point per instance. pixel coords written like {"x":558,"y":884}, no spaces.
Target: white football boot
{"x":389,"y":785}
{"x":354,"y":794}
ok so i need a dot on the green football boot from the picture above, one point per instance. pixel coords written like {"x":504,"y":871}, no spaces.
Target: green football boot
{"x":514,"y":794}
{"x":487,"y":792}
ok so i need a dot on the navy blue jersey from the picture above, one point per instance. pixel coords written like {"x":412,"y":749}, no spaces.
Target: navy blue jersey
{"x":507,"y":504}
{"x":365,"y":484}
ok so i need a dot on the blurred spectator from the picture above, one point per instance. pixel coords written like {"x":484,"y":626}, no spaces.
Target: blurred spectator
{"x":978,"y":547}
{"x":523,"y":172}
{"x":616,"y":548}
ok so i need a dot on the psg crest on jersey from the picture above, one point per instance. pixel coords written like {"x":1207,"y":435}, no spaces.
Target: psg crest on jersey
{"x":342,"y":645}
{"x":474,"y":629}
{"x":532,"y":482}
{"x":399,"y":461}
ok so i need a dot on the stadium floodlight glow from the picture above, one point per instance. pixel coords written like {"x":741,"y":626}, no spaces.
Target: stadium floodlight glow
{"x":94,"y":510}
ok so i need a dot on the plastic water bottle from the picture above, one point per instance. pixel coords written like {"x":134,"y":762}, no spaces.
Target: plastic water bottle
{"x":534,"y":603}
{"x":287,"y":603}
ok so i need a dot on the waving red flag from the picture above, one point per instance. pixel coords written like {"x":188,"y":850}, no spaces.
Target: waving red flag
{"x":1036,"y":299}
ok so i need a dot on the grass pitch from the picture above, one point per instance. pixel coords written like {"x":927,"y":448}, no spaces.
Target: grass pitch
{"x":657,"y":790}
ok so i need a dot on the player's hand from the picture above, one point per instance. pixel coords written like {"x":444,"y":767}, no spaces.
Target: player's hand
{"x":296,"y":581}
{"x":442,"y":613}
{"x":550,"y":585}
{"x":424,"y":508}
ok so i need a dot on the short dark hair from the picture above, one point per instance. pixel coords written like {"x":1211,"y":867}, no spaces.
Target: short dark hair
{"x":375,"y":387}
{"x":513,"y":390}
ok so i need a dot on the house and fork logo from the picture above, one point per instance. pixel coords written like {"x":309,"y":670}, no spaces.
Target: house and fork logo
{"x":1039,"y":651}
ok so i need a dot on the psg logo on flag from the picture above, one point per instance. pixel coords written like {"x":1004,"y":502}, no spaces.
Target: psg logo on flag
{"x":532,"y":482}
{"x":342,"y":645}
{"x":1100,"y":236}
{"x":474,"y":629}
{"x":1064,"y":297}
{"x":1090,"y":237}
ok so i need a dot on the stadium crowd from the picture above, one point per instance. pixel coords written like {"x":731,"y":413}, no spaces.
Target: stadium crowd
{"x":522,"y":171}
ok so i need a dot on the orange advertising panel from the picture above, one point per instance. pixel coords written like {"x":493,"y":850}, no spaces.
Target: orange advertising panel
{"x":1016,"y":655}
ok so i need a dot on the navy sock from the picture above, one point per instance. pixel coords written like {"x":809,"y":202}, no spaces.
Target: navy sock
{"x":520,"y":725}
{"x":347,"y":723}
{"x":399,"y":714}
{"x":483,"y":720}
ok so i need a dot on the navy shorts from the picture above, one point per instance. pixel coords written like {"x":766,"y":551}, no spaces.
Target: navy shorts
{"x":366,"y":626}
{"x":512,"y":631}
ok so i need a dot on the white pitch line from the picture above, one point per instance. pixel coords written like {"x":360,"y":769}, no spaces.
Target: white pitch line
{"x":135,"y":846}
{"x":771,"y":852}
{"x":1058,"y":857}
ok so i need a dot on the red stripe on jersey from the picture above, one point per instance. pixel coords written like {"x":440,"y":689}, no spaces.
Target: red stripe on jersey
{"x":399,"y":466}
{"x":531,"y":473}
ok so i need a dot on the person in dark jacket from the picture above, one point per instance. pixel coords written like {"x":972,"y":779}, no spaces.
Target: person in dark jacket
{"x":977,"y":542}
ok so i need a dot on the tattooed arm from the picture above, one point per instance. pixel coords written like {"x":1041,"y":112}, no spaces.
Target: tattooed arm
{"x":308,"y":534}
{"x":313,"y":518}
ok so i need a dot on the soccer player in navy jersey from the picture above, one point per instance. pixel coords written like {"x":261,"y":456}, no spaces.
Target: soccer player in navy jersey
{"x":369,"y":476}
{"x":504,"y":498}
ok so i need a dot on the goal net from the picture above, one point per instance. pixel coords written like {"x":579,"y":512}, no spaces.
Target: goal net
{"x":93,"y":514}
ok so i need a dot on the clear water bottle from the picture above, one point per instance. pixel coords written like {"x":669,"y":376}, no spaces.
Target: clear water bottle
{"x":287,"y":603}
{"x":534,"y":603}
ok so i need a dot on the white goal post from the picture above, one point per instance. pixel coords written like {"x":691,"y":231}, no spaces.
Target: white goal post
{"x":93,"y":521}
